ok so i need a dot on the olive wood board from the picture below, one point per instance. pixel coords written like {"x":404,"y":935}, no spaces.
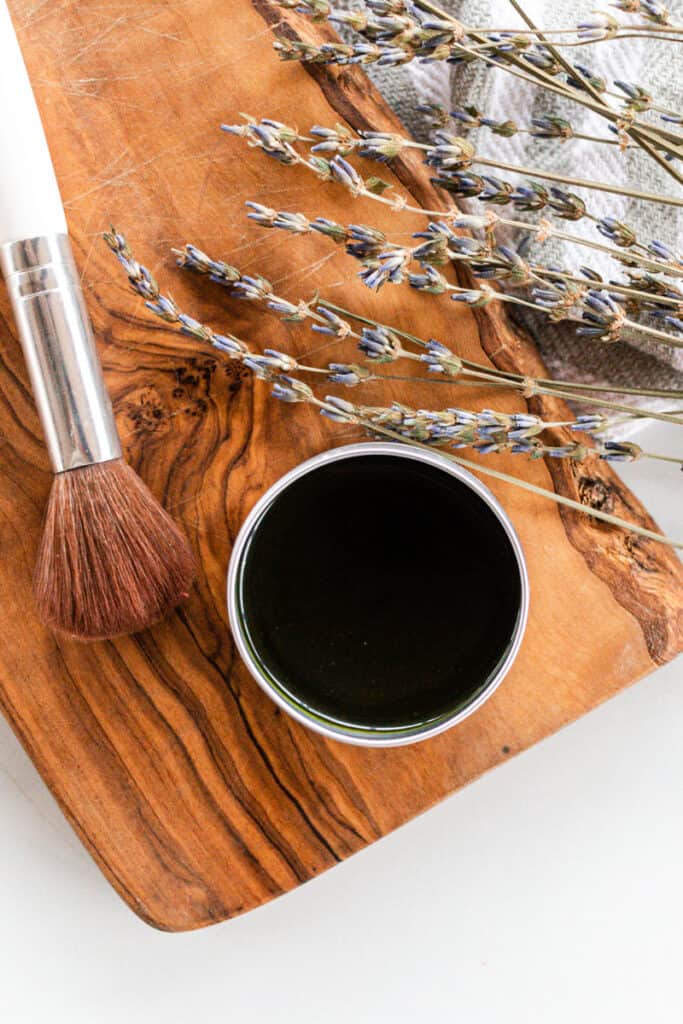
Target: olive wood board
{"x":198,"y":799}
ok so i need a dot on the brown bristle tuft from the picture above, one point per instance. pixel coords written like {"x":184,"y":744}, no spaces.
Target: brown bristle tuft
{"x":111,"y":560}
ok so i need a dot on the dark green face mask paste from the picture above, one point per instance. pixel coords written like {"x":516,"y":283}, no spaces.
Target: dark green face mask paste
{"x":379,"y":591}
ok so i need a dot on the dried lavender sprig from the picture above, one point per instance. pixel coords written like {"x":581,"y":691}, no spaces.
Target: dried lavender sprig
{"x":552,"y":61}
{"x":383,"y":146}
{"x":380,"y":341}
{"x":531,"y":385}
{"x":533,"y":197}
{"x":626,"y":125}
{"x":631,"y":95}
{"x":488,"y":430}
{"x":602,"y":25}
{"x":292,"y":391}
{"x":348,"y":416}
{"x":546,"y":126}
{"x":412,"y":38}
{"x":634,"y":97}
{"x":448,"y":153}
{"x":361,"y":23}
{"x":563,"y":290}
{"x":269,"y":364}
{"x":566,"y":206}
{"x":599,"y":28}
{"x":602,"y":318}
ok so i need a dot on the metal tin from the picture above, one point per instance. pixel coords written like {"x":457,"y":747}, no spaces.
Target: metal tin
{"x":366,"y":737}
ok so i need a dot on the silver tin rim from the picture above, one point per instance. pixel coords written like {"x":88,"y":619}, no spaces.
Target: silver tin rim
{"x":345,"y":452}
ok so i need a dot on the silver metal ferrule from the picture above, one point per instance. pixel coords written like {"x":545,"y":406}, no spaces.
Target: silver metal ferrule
{"x":59,"y":347}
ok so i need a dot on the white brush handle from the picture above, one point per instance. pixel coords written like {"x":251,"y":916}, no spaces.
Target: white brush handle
{"x":42,"y":280}
{"x":30,"y":203}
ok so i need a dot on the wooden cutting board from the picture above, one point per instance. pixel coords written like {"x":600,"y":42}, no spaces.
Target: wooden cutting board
{"x":196,"y":797}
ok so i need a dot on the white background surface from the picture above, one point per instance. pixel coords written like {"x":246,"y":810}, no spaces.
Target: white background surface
{"x":551,"y":890}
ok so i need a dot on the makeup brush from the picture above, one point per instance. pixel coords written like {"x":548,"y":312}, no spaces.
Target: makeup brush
{"x":111,"y":561}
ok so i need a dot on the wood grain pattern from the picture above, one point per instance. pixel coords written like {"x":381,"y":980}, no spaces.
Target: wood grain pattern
{"x":197,"y":798}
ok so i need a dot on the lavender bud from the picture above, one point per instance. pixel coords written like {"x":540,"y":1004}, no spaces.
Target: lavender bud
{"x":598,"y":83}
{"x":294,"y":222}
{"x":253,"y":288}
{"x":357,"y":20}
{"x":191,"y":326}
{"x":620,"y":451}
{"x":459,"y":183}
{"x":655,"y":12}
{"x":286,"y":309}
{"x":469,"y":222}
{"x":382,"y":146}
{"x":164,"y":308}
{"x":566,"y":205}
{"x":619,"y":233}
{"x":431,"y":281}
{"x":638,"y":98}
{"x":663,"y":252}
{"x":574,"y":451}
{"x":589,"y":423}
{"x":530,"y":197}
{"x":335,"y":326}
{"x":387,"y":267}
{"x":344,"y":174}
{"x":288,"y":389}
{"x":341,"y":411}
{"x":468,"y":116}
{"x":262,"y":215}
{"x":330,"y":228}
{"x":380,"y":344}
{"x":334,"y":140}
{"x":348,"y":374}
{"x":474,"y":298}
{"x":440,"y":359}
{"x":227,"y":343}
{"x":598,"y":26}
{"x":364,"y":241}
{"x":450,"y":152}
{"x":540,"y":58}
{"x":549,"y":126}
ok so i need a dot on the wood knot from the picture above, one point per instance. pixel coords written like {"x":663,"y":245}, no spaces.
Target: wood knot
{"x":195,"y":375}
{"x":236,"y":375}
{"x":596,"y":494}
{"x":147,"y":412}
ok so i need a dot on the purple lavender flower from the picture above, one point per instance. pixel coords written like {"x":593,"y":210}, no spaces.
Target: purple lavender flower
{"x":341,"y":411}
{"x":620,"y":451}
{"x":289,"y":389}
{"x":585,"y":74}
{"x":387,"y":267}
{"x":380,"y":344}
{"x":334,"y":325}
{"x":348,"y":374}
{"x":347,"y":175}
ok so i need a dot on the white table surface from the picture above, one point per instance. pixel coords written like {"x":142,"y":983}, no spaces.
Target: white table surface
{"x":549,"y":891}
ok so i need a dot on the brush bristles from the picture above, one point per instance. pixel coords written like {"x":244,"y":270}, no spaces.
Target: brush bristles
{"x":111,"y":561}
